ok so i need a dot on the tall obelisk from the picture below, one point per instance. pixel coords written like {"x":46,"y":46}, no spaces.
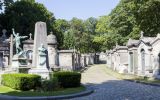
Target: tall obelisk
{"x":40,"y":37}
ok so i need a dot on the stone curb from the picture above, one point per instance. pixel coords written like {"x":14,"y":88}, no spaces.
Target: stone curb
{"x":152,"y":84}
{"x":83,"y":93}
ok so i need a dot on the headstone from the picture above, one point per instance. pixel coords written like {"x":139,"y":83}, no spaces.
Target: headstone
{"x":40,"y":37}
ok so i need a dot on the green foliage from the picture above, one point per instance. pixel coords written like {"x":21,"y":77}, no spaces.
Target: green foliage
{"x":121,"y":19}
{"x":68,"y":79}
{"x":90,"y":25}
{"x":69,"y":41}
{"x":50,"y":85}
{"x":79,"y":35}
{"x":61,"y":26}
{"x":21,"y":81}
{"x":103,"y":25}
{"x":22,"y":15}
{"x":148,"y":16}
{"x":5,"y":3}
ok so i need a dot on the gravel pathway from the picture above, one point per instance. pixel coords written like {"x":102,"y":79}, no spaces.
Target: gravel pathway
{"x":109,"y":88}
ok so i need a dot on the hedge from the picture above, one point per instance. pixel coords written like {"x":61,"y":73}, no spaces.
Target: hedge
{"x":21,"y":81}
{"x":68,"y":79}
{"x":49,"y":85}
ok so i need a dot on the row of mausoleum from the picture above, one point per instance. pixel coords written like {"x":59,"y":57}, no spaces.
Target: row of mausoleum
{"x":57,"y":59}
{"x":139,"y":57}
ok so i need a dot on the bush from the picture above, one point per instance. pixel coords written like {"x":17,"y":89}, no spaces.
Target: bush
{"x":21,"y":81}
{"x":50,"y":85}
{"x":68,"y":79}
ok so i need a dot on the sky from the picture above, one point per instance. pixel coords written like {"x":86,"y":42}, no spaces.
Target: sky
{"x":83,"y":9}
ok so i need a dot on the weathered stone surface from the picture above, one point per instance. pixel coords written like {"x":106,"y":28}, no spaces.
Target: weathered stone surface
{"x":40,"y":37}
{"x":52,"y":51}
{"x":69,"y":59}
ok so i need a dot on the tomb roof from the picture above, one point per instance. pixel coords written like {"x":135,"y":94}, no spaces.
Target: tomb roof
{"x":132,"y":42}
{"x":51,"y":39}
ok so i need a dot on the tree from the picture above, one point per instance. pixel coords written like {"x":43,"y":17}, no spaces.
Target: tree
{"x":148,"y":16}
{"x":23,"y":15}
{"x":77,"y":27}
{"x":90,"y":25}
{"x":69,"y":41}
{"x":103,"y":25}
{"x":5,"y":3}
{"x":61,"y":26}
{"x":121,"y":19}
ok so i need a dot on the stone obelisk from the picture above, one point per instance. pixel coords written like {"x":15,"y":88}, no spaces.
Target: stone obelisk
{"x":40,"y":37}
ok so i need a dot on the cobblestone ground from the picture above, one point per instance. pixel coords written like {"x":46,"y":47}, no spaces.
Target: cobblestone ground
{"x":109,"y":88}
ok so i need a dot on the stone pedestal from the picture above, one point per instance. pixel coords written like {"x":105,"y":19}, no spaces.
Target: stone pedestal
{"x":18,"y":63}
{"x":44,"y":73}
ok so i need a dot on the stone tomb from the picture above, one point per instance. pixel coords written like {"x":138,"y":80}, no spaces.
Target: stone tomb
{"x":69,"y":60}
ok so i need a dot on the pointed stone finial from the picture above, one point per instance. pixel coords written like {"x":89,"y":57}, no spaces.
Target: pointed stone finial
{"x":51,"y":32}
{"x":116,"y":44}
{"x":30,"y":36}
{"x":4,"y":31}
{"x":130,"y":39}
{"x":142,"y":33}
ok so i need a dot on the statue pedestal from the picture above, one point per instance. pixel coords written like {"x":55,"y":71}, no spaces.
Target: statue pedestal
{"x":44,"y":73}
{"x":18,"y":63}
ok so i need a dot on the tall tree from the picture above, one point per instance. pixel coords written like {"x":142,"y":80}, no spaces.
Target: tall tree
{"x":61,"y":26}
{"x":23,"y":15}
{"x":147,"y":16}
{"x":5,"y":3}
{"x":103,"y":25}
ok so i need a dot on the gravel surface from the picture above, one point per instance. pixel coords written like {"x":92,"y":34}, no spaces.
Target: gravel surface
{"x":109,"y":88}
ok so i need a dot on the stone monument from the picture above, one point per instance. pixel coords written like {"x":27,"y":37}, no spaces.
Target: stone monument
{"x":40,"y":37}
{"x":52,"y":52}
{"x":40,"y":53}
{"x":19,"y":59}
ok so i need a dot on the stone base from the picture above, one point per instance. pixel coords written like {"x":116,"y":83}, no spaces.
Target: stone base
{"x":44,"y":73}
{"x":18,"y":62}
{"x":123,"y":69}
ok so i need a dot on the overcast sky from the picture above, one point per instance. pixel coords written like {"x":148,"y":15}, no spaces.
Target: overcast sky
{"x":67,"y":9}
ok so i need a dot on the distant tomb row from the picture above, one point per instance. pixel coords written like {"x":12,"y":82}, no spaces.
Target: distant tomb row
{"x":139,"y":57}
{"x":39,"y":55}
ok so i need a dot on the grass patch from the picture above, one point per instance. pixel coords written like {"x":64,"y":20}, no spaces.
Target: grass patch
{"x":129,"y":76}
{"x":63,"y":91}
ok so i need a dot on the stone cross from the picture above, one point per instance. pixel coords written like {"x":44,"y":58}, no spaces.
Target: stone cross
{"x":30,"y":36}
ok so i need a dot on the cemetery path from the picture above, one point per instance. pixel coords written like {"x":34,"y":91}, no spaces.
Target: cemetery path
{"x":109,"y":88}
